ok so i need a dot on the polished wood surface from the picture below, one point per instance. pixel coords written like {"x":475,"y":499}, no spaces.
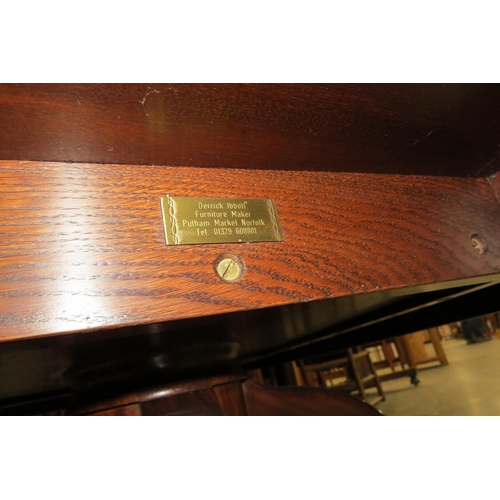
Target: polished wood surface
{"x":84,"y":246}
{"x":441,"y":129}
{"x":214,"y":396}
{"x":288,"y":401}
{"x":121,"y":411}
{"x":365,"y":254}
{"x":52,"y":365}
{"x":199,"y":403}
{"x":231,"y":399}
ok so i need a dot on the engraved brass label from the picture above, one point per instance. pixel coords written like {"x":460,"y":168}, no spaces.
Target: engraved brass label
{"x":189,"y":221}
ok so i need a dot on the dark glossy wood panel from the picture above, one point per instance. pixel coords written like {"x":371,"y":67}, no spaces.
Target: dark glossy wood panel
{"x":83,"y":247}
{"x":121,"y":411}
{"x":166,"y":350}
{"x":120,"y":359}
{"x":149,"y":354}
{"x":443,"y":129}
{"x":197,"y":403}
{"x":288,"y":401}
{"x":44,"y":403}
{"x":100,"y":395}
{"x":240,"y":397}
{"x":231,"y":399}
{"x":368,"y":328}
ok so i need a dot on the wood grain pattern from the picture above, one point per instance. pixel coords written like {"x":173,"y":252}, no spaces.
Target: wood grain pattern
{"x":197,"y":403}
{"x":231,"y":399}
{"x":285,"y":401}
{"x":95,"y":398}
{"x":166,"y":351}
{"x":238,"y":398}
{"x":405,"y":129}
{"x":120,"y":411}
{"x":83,"y":246}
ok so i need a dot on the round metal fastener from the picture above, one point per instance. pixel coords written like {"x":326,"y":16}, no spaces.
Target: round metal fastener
{"x":229,"y":267}
{"x":479,"y":243}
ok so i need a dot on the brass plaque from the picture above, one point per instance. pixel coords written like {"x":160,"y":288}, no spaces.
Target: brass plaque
{"x":189,"y":221}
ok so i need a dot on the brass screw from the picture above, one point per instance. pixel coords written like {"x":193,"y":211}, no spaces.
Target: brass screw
{"x":479,"y":243}
{"x":229,"y":268}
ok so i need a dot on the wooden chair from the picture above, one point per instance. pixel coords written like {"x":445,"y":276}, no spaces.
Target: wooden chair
{"x":352,"y":365}
{"x":400,"y":360}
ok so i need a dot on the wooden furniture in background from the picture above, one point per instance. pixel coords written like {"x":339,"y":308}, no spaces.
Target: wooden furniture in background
{"x":350,"y":370}
{"x":398,"y":357}
{"x":416,"y":343}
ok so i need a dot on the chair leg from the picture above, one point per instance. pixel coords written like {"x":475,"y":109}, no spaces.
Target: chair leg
{"x":381,"y":394}
{"x":388,"y":354}
{"x":360,"y":379}
{"x":357,"y":374}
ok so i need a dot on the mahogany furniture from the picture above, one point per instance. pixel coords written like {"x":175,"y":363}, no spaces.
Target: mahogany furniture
{"x":387,"y":197}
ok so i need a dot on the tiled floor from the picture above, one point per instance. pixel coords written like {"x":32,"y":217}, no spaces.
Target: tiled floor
{"x":469,"y":385}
